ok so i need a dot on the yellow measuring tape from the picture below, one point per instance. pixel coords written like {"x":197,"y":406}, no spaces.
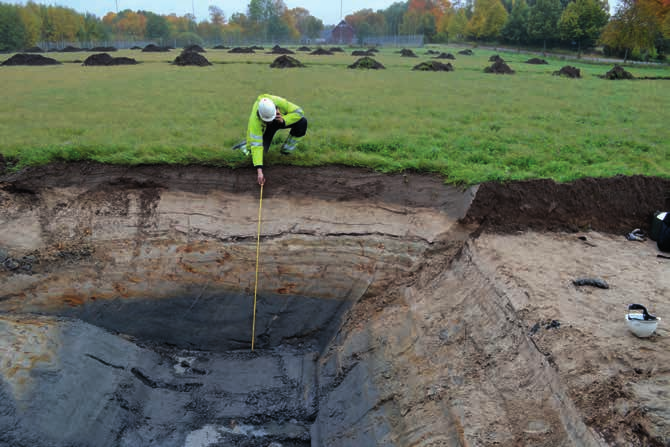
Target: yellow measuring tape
{"x":258,"y":251}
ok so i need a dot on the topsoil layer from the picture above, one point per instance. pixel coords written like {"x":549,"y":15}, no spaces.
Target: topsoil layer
{"x":30,"y":59}
{"x":615,"y":205}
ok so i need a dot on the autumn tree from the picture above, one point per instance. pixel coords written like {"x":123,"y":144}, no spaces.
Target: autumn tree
{"x":488,"y":19}
{"x":634,"y":28}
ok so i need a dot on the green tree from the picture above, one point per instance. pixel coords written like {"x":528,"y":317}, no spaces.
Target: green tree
{"x":156,"y":27}
{"x":583,"y":21}
{"x":516,"y":28}
{"x":634,"y":28}
{"x":458,"y":24}
{"x":543,"y":21}
{"x":393,"y":16}
{"x":12,"y":29}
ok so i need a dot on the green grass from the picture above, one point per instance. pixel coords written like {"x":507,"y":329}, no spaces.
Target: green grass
{"x":465,"y":125}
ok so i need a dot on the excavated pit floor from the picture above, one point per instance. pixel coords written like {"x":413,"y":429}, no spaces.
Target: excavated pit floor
{"x":392,"y":310}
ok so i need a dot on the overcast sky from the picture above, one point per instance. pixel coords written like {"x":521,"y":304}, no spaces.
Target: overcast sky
{"x":327,"y":11}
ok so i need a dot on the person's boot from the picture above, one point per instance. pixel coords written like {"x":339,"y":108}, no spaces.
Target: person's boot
{"x":242,"y":146}
{"x":289,"y":146}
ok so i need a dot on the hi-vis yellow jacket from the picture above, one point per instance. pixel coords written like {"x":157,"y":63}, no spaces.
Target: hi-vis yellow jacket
{"x":291,"y":114}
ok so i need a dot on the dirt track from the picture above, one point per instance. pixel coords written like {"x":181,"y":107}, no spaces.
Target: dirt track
{"x":395,"y":310}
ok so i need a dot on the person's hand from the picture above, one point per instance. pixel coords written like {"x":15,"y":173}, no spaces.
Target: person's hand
{"x":279,"y":117}
{"x":261,"y":177}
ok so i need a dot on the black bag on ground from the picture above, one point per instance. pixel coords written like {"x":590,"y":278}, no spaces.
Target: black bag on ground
{"x":663,"y":240}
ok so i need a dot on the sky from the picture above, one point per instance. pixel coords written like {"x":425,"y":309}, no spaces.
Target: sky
{"x":327,"y":11}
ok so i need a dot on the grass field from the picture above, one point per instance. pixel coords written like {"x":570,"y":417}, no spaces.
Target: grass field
{"x":465,"y":125}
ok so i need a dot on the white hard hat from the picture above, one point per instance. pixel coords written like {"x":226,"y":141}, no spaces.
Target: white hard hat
{"x":267,"y":110}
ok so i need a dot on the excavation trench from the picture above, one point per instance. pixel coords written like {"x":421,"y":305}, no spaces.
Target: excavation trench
{"x":127,"y":309}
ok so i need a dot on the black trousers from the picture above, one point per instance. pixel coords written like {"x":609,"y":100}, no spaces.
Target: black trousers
{"x":298,"y":129}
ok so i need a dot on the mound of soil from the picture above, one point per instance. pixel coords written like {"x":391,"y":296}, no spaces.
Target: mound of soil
{"x":367,"y":63}
{"x":256,"y":47}
{"x":321,"y":52}
{"x":71,"y":49}
{"x":407,"y":53}
{"x":336,"y":50}
{"x":445,"y":56}
{"x":135,"y":48}
{"x":430,"y":52}
{"x":304,"y":49}
{"x":242,"y":50}
{"x":467,"y":52}
{"x":279,"y":50}
{"x":191,"y":58}
{"x":362,"y":53}
{"x":618,"y":72}
{"x":34,"y":50}
{"x":151,"y":48}
{"x":496,"y":58}
{"x":373,"y":50}
{"x":195,"y":49}
{"x":286,"y":61}
{"x":30,"y":59}
{"x":499,"y":67}
{"x":536,"y":61}
{"x":433,"y":66}
{"x":220,"y":47}
{"x":569,"y":71}
{"x":104,"y":59}
{"x":103,"y":49}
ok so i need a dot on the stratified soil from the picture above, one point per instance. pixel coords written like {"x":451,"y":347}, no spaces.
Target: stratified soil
{"x":433,"y":66}
{"x":191,"y":58}
{"x":569,"y":71}
{"x":286,"y":61}
{"x":614,"y":205}
{"x":367,"y":63}
{"x":30,"y":59}
{"x":499,"y":67}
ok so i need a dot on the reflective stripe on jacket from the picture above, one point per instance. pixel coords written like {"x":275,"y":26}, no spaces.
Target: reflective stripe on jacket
{"x":291,"y":114}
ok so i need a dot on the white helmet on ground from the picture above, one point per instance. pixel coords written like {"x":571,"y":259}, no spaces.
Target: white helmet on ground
{"x":267,"y":110}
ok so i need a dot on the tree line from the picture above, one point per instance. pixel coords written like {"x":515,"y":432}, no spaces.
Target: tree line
{"x":638,"y":29}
